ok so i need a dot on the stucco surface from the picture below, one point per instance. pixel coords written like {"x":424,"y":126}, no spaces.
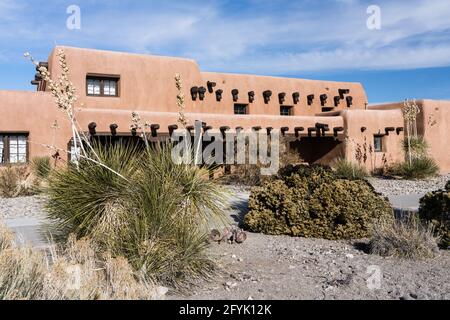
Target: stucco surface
{"x":147,"y":85}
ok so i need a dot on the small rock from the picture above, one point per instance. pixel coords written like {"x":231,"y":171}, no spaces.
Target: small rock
{"x":414,"y":296}
{"x":350,"y":256}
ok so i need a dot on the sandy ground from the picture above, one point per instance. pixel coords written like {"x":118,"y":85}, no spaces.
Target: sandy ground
{"x":281,"y":267}
{"x":268,"y":267}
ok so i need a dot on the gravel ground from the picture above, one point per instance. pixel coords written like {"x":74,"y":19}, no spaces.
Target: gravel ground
{"x":21,"y":207}
{"x":269,"y":267}
{"x":390,"y":187}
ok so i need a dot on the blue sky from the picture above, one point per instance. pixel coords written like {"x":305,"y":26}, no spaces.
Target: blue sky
{"x":408,"y":58}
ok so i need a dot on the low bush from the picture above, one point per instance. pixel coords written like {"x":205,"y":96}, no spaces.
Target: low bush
{"x":419,"y":168}
{"x":435,"y":209}
{"x":314,"y":202}
{"x":408,"y":239}
{"x":156,"y":215}
{"x":75,"y":273}
{"x":349,"y":170}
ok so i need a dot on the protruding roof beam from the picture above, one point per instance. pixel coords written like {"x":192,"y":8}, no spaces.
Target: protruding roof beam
{"x":296,"y":97}
{"x":113,"y":128}
{"x":92,"y":128}
{"x":235,"y":94}
{"x":211,"y":86}
{"x":154,"y":128}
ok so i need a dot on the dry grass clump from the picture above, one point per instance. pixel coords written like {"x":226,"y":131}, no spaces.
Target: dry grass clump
{"x":408,"y":239}
{"x":348,"y":170}
{"x":77,"y":272}
{"x":15,"y":182}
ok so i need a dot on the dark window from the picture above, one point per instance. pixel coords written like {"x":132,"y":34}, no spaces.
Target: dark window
{"x":13,"y":148}
{"x":286,"y":111}
{"x":378,"y":143}
{"x":241,"y":109}
{"x":102,"y":86}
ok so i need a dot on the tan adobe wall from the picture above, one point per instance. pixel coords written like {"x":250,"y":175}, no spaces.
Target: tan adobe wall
{"x":147,"y":83}
{"x":374,"y":123}
{"x":34,"y":113}
{"x":433,"y":124}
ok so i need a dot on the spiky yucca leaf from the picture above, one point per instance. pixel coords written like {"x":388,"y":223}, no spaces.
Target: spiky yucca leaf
{"x":156,"y":215}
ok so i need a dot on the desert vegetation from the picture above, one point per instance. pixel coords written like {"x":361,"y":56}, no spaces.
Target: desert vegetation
{"x":314,"y":202}
{"x":418,"y":164}
{"x":16,"y":181}
{"x":418,"y":168}
{"x":350,"y":170}
{"x":406,"y":239}
{"x":435,"y":209}
{"x":74,"y":272}
{"x":153,"y":212}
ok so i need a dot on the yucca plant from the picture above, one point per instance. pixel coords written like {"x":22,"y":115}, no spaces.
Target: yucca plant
{"x":419,"y":168}
{"x":417,"y":146}
{"x":41,"y":167}
{"x":155,"y":213}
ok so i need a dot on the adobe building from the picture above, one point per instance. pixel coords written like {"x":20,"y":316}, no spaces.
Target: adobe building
{"x":323,"y":120}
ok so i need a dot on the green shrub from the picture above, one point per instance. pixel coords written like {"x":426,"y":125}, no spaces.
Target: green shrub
{"x":435,"y":208}
{"x":419,"y":168}
{"x":156,"y":217}
{"x":314,"y":202}
{"x":349,"y":170}
{"x":408,"y":239}
{"x":41,"y":167}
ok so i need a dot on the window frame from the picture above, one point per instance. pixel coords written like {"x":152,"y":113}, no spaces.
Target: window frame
{"x":381,"y":139}
{"x":102,"y":78}
{"x":6,"y":139}
{"x":290,"y":113}
{"x":246,"y":106}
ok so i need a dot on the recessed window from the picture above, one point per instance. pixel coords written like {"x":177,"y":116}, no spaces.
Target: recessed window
{"x":106,"y":86}
{"x":74,"y":152}
{"x":286,"y":110}
{"x":241,"y":109}
{"x":13,"y":148}
{"x":378,"y":143}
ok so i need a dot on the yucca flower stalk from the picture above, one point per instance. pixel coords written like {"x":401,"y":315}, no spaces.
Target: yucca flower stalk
{"x":64,"y":93}
{"x":410,"y":112}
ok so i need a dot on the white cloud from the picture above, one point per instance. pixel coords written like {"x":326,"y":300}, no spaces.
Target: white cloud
{"x":270,"y":37}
